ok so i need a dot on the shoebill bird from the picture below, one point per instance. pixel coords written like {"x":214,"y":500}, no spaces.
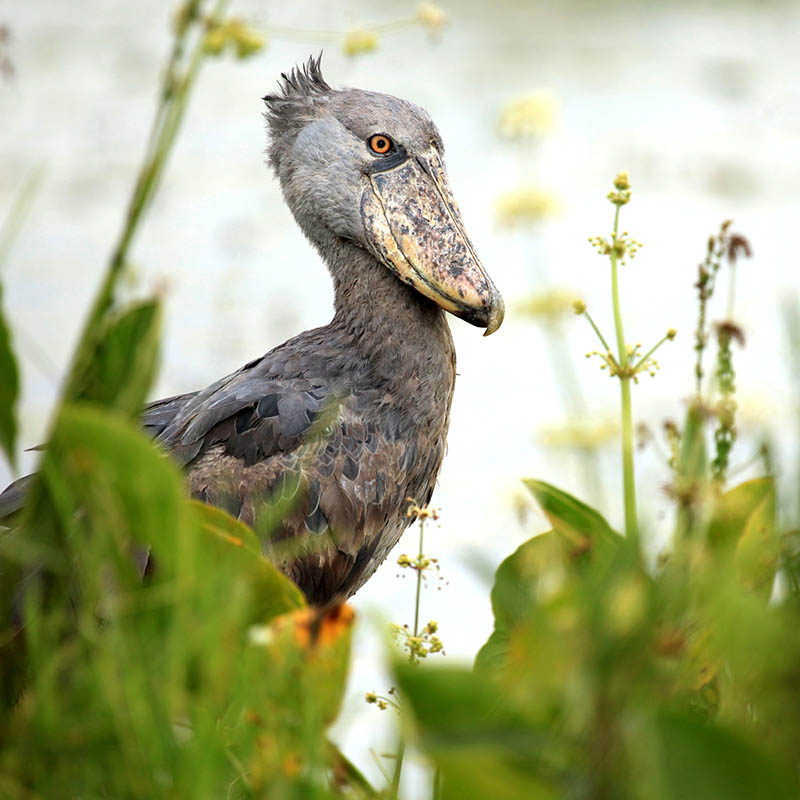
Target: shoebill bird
{"x":351,"y":417}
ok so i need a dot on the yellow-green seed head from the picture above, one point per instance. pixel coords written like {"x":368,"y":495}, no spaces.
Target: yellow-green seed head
{"x":431,"y":16}
{"x":358,"y":41}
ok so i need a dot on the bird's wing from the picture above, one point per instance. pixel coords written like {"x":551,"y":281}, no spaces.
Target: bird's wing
{"x":157,"y":415}
{"x":12,"y":498}
{"x":154,"y":419}
{"x":250,"y":415}
{"x":254,"y":436}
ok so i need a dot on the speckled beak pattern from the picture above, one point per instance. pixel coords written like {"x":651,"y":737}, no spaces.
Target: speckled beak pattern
{"x":414,"y":227}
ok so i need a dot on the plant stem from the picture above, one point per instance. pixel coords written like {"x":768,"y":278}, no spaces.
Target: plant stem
{"x":351,"y":773}
{"x":15,"y":218}
{"x":650,"y":352}
{"x":169,"y":115}
{"x":731,"y":287}
{"x":631,"y":527}
{"x":419,"y":574}
{"x":401,"y":748}
{"x":597,"y":331}
{"x":623,"y":353}
{"x":628,"y":479}
{"x":437,"y":784}
{"x":398,"y":768}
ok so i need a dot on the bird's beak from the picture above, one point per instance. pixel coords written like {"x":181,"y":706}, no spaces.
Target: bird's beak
{"x":414,"y":227}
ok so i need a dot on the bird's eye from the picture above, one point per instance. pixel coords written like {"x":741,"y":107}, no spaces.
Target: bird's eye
{"x":381,"y":144}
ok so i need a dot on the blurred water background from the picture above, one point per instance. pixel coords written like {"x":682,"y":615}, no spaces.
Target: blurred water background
{"x":698,"y":101}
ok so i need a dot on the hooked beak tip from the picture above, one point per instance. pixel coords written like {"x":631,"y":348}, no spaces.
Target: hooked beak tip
{"x":496,"y":314}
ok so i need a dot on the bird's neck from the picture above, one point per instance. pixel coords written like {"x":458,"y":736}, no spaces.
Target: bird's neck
{"x":402,"y":334}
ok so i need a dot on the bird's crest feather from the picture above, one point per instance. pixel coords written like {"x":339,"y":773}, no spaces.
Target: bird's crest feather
{"x":303,"y":81}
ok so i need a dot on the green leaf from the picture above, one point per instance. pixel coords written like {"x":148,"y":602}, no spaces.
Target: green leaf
{"x":483,"y":747}
{"x":756,"y":555}
{"x":125,"y":359}
{"x":578,"y":523}
{"x":733,"y":508}
{"x":126,"y":491}
{"x":579,"y":532}
{"x":9,"y":391}
{"x":217,"y":521}
{"x":515,"y":591}
{"x":706,"y":761}
{"x":233,"y":542}
{"x":104,"y":495}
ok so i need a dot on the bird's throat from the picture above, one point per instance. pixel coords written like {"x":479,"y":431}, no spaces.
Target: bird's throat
{"x":403,"y":334}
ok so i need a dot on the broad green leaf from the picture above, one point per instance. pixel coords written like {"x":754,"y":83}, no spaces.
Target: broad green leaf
{"x":232,"y":541}
{"x":125,"y":359}
{"x":480,"y":772}
{"x":128,"y":491}
{"x":578,"y":523}
{"x":483,"y":747}
{"x":733,"y":508}
{"x":757,"y":549}
{"x":707,"y":762}
{"x":515,"y":590}
{"x":9,"y":390}
{"x":219,"y":522}
{"x":125,"y":489}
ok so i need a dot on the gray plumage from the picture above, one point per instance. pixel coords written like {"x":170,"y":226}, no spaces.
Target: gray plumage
{"x":348,"y":420}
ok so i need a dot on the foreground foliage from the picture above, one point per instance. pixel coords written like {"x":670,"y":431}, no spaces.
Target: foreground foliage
{"x":602,"y":679}
{"x":148,"y":649}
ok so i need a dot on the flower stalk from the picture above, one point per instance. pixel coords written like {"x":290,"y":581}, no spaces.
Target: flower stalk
{"x":628,"y":476}
{"x":175,"y":93}
{"x":629,"y":362}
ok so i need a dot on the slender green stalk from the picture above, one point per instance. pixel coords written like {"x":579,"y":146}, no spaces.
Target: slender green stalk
{"x":631,"y":525}
{"x":437,"y":785}
{"x":398,"y":768}
{"x":169,"y":115}
{"x":628,"y":478}
{"x":15,"y":218}
{"x":731,"y":288}
{"x":614,"y":257}
{"x":401,"y":748}
{"x":351,"y":773}
{"x":379,"y":764}
{"x":597,"y":331}
{"x":398,"y":764}
{"x":420,"y":555}
{"x":641,"y":362}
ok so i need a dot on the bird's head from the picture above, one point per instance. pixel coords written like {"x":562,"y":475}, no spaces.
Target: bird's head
{"x":368,"y":168}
